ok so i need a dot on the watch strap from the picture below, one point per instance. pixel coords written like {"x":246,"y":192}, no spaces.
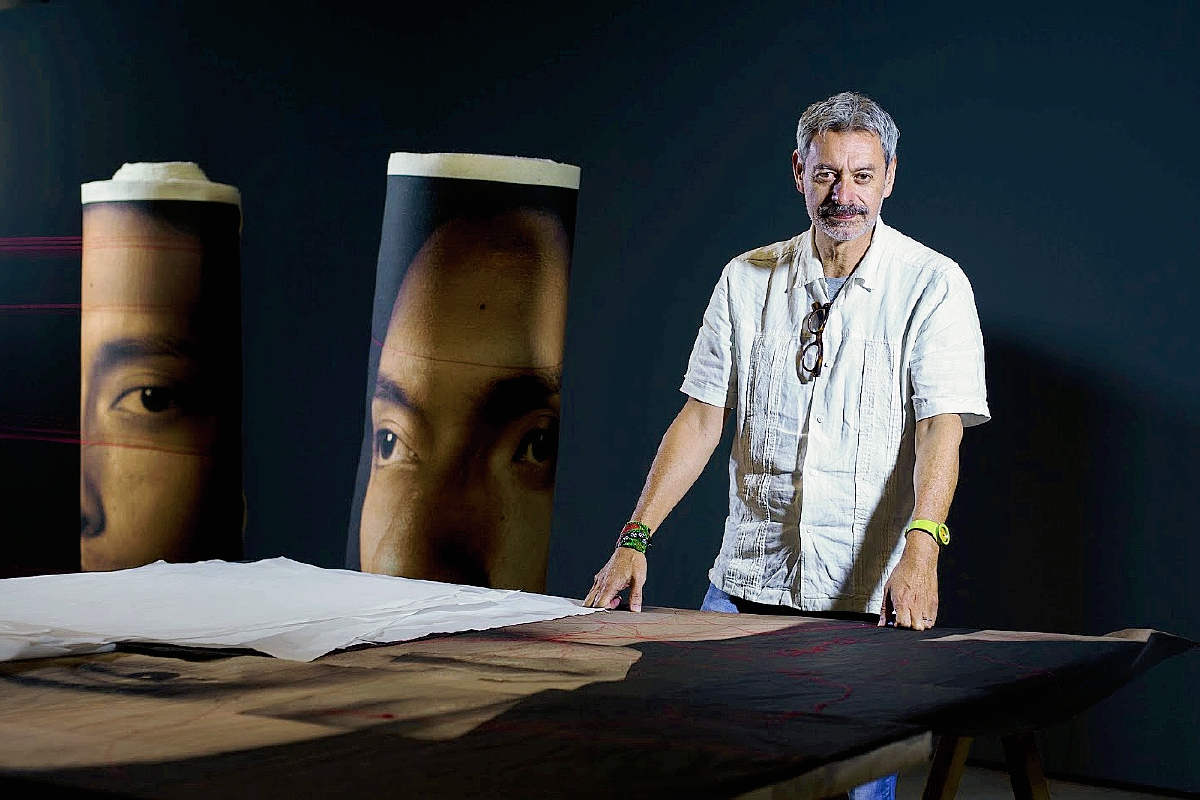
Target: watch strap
{"x":938,"y":530}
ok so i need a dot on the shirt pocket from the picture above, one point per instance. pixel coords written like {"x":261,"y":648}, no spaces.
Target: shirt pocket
{"x":773,"y":404}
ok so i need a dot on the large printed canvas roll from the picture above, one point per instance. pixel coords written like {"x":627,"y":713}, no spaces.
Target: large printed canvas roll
{"x":161,"y":368}
{"x":456,"y":473}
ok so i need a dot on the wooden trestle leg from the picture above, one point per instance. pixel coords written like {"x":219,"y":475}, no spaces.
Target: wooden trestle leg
{"x":945,"y":773}
{"x":1025,"y":767}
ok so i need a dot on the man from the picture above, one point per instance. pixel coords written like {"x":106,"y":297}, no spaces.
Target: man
{"x":853,"y":358}
{"x":160,"y":406}
{"x":466,"y":404}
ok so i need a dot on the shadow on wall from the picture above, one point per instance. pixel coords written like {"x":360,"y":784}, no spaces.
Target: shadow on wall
{"x":1075,"y":513}
{"x":39,"y":415}
{"x":39,"y":500}
{"x":1075,"y":505}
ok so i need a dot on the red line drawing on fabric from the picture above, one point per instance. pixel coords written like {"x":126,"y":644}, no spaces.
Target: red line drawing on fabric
{"x":38,"y":438}
{"x":818,"y":648}
{"x":1029,"y":672}
{"x":846,"y":689}
{"x":71,"y":307}
{"x":72,"y":437}
{"x":352,"y":712}
{"x":41,"y":245}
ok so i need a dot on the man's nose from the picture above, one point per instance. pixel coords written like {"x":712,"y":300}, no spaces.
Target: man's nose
{"x":840,"y":192}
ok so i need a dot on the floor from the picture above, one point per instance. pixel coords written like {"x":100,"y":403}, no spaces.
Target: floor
{"x":990,"y":784}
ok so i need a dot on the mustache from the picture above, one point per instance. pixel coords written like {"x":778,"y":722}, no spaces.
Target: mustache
{"x":836,"y":209}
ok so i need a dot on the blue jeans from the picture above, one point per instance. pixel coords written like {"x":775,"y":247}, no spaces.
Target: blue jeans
{"x":880,"y":789}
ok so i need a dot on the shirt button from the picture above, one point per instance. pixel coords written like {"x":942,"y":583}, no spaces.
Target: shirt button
{"x":820,"y":418}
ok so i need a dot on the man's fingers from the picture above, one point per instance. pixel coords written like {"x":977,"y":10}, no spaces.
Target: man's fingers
{"x":912,"y":611}
{"x":929,"y":615}
{"x":905,"y":606}
{"x":602,"y":591}
{"x":912,"y":589}
{"x":590,"y":600}
{"x":607,"y":594}
{"x":596,"y":597}
{"x":610,"y":589}
{"x":621,"y":572}
{"x":635,"y":594}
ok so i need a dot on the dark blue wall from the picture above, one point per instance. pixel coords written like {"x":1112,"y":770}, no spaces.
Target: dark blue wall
{"x":1051,"y":152}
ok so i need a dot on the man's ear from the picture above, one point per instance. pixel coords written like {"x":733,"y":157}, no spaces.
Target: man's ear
{"x":798,"y":171}
{"x":890,"y":178}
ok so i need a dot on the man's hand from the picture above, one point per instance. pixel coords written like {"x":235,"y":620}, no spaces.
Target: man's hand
{"x":625,"y":569}
{"x":685,"y":449}
{"x":912,"y":588}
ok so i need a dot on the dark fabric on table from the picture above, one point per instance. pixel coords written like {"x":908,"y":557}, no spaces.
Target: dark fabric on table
{"x":691,"y":719}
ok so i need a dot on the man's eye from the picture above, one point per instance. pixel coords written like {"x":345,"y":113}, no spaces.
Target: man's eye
{"x":389,"y":447}
{"x":538,"y":446}
{"x":143,"y":400}
{"x":863,"y":177}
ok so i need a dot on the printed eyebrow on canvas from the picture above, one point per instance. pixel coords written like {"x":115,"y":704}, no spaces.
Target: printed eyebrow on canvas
{"x":501,"y":401}
{"x":128,"y":350}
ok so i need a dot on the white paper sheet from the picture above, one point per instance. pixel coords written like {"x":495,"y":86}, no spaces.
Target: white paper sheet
{"x":280,"y":607}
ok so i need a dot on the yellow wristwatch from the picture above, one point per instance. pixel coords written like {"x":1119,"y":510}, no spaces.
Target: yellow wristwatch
{"x":938,"y":530}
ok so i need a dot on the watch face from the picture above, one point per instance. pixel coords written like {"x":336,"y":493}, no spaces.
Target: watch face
{"x":943,"y":535}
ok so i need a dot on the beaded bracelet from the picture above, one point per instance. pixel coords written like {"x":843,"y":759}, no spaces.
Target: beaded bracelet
{"x":635,"y":536}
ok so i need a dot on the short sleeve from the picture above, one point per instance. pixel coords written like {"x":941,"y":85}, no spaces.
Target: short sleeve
{"x":946,"y":367}
{"x":711,"y":374}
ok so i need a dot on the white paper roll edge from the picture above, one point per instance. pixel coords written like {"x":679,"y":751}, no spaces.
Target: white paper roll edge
{"x":477,"y":167}
{"x":165,"y":180}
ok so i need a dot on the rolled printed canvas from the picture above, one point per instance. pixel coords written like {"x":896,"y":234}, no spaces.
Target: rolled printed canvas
{"x":457,"y":466}
{"x":161,"y":368}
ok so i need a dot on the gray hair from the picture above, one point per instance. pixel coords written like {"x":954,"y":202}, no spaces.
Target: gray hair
{"x":847,"y":111}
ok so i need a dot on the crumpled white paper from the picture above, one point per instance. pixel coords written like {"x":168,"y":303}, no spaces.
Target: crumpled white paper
{"x":280,"y":607}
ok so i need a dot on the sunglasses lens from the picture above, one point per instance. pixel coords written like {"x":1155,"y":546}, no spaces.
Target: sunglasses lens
{"x":814,"y":324}
{"x":816,"y":319}
{"x":809,"y":357}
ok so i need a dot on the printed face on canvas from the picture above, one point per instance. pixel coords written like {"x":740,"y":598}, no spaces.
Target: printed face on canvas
{"x":466,"y":405}
{"x":146,"y":413}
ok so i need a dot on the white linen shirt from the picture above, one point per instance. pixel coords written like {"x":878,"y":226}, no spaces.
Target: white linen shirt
{"x":821,"y":471}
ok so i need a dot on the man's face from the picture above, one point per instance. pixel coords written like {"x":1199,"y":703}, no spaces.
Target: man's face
{"x":147,"y":424}
{"x":844,"y":180}
{"x":466,"y":406}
